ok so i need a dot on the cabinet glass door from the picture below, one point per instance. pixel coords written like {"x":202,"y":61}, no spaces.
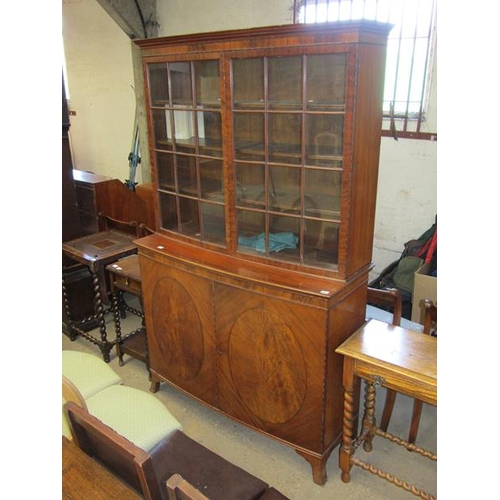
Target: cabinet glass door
{"x":185,"y":107}
{"x":288,"y":118}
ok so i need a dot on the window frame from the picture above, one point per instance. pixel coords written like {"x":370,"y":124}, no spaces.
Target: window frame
{"x":409,"y":124}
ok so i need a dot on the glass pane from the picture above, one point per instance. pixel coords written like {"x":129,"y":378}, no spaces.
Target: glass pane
{"x":312,"y":232}
{"x":207,"y":83}
{"x":183,"y":125}
{"x":285,"y":135}
{"x":323,"y":187}
{"x":288,"y":229}
{"x":249,"y":136}
{"x":248,"y":83}
{"x":165,"y":170}
{"x":161,"y":129}
{"x":210,"y":133}
{"x":325,"y":252}
{"x":326,"y":81}
{"x":284,"y":189}
{"x":180,"y":78}
{"x":190,"y":223}
{"x":250,"y":185}
{"x":285,"y":82}
{"x":214,"y":227}
{"x":251,"y":231}
{"x":284,"y":234}
{"x":168,"y":211}
{"x":324,"y":136}
{"x":211,"y":178}
{"x":186,"y":175}
{"x":158,"y":84}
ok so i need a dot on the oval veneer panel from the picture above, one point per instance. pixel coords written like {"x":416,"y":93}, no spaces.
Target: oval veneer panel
{"x":267,"y":366}
{"x":181,"y":344}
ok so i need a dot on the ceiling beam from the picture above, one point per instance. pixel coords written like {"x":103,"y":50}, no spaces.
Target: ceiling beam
{"x":137,"y":18}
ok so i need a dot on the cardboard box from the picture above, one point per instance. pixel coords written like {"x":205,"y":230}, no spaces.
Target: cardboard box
{"x":424,"y":287}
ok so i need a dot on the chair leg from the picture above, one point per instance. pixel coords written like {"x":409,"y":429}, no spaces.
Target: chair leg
{"x":390,"y":398}
{"x":415,"y":420}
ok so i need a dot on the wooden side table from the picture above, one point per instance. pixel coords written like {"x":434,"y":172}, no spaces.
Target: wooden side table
{"x":125,"y":276}
{"x":395,"y":358}
{"x":95,"y":251}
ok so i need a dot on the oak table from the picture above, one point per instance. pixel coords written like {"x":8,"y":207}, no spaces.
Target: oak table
{"x":83,"y":478}
{"x":392,"y":357}
{"x":96,"y":251}
{"x":125,"y":276}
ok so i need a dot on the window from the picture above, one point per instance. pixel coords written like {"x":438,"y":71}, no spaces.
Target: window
{"x":410,"y":53}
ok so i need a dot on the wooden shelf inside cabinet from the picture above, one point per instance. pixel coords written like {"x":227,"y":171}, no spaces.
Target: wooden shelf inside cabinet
{"x":191,"y":143}
{"x":252,"y":330}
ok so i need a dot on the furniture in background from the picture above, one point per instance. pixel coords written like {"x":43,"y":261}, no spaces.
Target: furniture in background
{"x":395,"y":358}
{"x":93,"y":198}
{"x":125,"y":276}
{"x":84,"y":477}
{"x":388,"y":299}
{"x":94,"y":251}
{"x":430,"y":328}
{"x":391,"y":298}
{"x":260,"y":264}
{"x":430,"y":317}
{"x":424,"y":288}
{"x":78,"y":278}
{"x":99,"y":194}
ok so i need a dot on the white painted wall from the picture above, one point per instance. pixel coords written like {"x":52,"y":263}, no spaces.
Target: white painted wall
{"x":99,"y":64}
{"x":100,"y":80}
{"x":177,"y":17}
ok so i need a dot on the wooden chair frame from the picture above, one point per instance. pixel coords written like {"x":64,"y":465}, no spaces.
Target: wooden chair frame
{"x":180,"y":489}
{"x":149,"y":472}
{"x":128,"y":461}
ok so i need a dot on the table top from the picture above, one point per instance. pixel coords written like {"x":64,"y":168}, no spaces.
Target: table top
{"x":394,"y":349}
{"x":101,"y":248}
{"x":83,"y":478}
{"x":127,"y":267}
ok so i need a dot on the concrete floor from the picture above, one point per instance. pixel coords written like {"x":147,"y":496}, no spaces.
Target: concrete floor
{"x":278,"y":464}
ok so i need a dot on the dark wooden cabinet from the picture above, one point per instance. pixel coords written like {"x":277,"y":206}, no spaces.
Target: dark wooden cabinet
{"x":90,"y":191}
{"x":101,"y":194}
{"x":265,"y":147}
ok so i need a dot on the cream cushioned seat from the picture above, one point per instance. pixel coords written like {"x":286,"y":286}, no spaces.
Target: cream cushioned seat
{"x":135,"y":414}
{"x":89,"y":373}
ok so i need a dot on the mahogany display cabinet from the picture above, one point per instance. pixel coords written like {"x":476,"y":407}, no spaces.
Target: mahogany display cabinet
{"x":265,"y":150}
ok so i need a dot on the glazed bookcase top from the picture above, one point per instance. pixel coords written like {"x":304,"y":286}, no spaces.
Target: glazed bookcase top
{"x":265,"y":142}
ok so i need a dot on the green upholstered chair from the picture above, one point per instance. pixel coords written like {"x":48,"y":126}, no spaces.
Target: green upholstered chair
{"x":92,"y":384}
{"x":83,"y":375}
{"x":89,"y":373}
{"x":137,"y":415}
